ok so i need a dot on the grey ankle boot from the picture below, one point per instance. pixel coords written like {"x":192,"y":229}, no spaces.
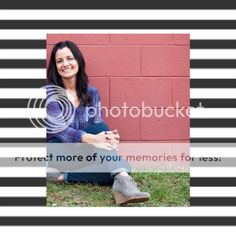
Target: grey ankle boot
{"x":126,"y":191}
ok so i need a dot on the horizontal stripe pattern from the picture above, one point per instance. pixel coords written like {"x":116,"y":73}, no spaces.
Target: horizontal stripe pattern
{"x":22,"y":63}
{"x":194,"y":63}
{"x":213,"y":63}
{"x":218,"y":73}
{"x":209,"y":75}
{"x":117,"y":221}
{"x":213,"y":132}
{"x":22,"y":44}
{"x":212,"y":140}
{"x":212,"y":201}
{"x":194,"y":103}
{"x":196,"y":34}
{"x":212,"y":54}
{"x":23,"y":201}
{"x":117,"y":15}
{"x":103,"y":4}
{"x":109,"y":211}
{"x":22,"y":192}
{"x":22,"y":140}
{"x":212,"y":44}
{"x":22,"y":73}
{"x":7,"y":54}
{"x":213,"y":123}
{"x":209,"y":83}
{"x":212,"y":172}
{"x":22,"y":182}
{"x":22,"y":113}
{"x":41,"y":44}
{"x":28,"y":123}
{"x":33,"y":63}
{"x":118,"y":24}
{"x":20,"y":123}
{"x":213,"y":93}
{"x":23,"y":93}
{"x":22,"y":103}
{"x":40,"y":103}
{"x":22,"y":83}
{"x":213,"y":103}
{"x":22,"y":172}
{"x":213,"y":191}
{"x":200,"y":112}
{"x":22,"y":133}
{"x":194,"y":182}
{"x":217,"y":182}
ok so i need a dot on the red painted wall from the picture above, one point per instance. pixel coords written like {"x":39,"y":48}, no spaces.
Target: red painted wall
{"x":131,"y":68}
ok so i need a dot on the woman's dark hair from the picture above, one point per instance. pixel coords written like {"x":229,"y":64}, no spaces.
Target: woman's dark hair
{"x":82,"y":78}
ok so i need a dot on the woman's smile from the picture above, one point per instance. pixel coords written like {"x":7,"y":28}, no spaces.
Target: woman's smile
{"x":67,"y":70}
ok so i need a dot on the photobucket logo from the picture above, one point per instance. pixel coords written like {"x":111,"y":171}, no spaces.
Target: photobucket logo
{"x":60,"y":112}
{"x":143,"y":111}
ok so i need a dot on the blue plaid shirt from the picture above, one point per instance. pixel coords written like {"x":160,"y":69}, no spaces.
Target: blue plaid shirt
{"x":84,"y":117}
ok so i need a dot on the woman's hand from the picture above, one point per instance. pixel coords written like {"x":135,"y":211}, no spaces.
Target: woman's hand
{"x":107,"y":140}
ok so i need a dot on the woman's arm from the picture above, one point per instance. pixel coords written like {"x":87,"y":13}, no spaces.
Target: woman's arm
{"x":58,"y":128}
{"x":68,"y":134}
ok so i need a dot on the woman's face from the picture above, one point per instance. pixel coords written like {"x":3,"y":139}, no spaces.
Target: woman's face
{"x":67,"y":65}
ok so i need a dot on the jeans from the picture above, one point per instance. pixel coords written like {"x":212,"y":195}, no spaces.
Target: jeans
{"x":84,"y":175}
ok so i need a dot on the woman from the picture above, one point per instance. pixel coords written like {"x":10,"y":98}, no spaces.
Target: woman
{"x":67,"y":70}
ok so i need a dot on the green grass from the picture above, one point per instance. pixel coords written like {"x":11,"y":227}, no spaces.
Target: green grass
{"x":166,"y":189}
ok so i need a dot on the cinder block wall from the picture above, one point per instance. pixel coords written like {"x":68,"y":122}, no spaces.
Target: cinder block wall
{"x":136,"y":68}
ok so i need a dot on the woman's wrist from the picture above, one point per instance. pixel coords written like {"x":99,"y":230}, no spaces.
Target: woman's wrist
{"x":88,"y":138}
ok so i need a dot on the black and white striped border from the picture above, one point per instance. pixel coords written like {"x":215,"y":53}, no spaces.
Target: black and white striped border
{"x":213,"y":83}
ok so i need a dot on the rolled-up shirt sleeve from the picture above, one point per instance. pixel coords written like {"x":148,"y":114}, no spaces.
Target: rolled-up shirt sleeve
{"x":73,"y":130}
{"x":65,"y":134}
{"x":70,"y":135}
